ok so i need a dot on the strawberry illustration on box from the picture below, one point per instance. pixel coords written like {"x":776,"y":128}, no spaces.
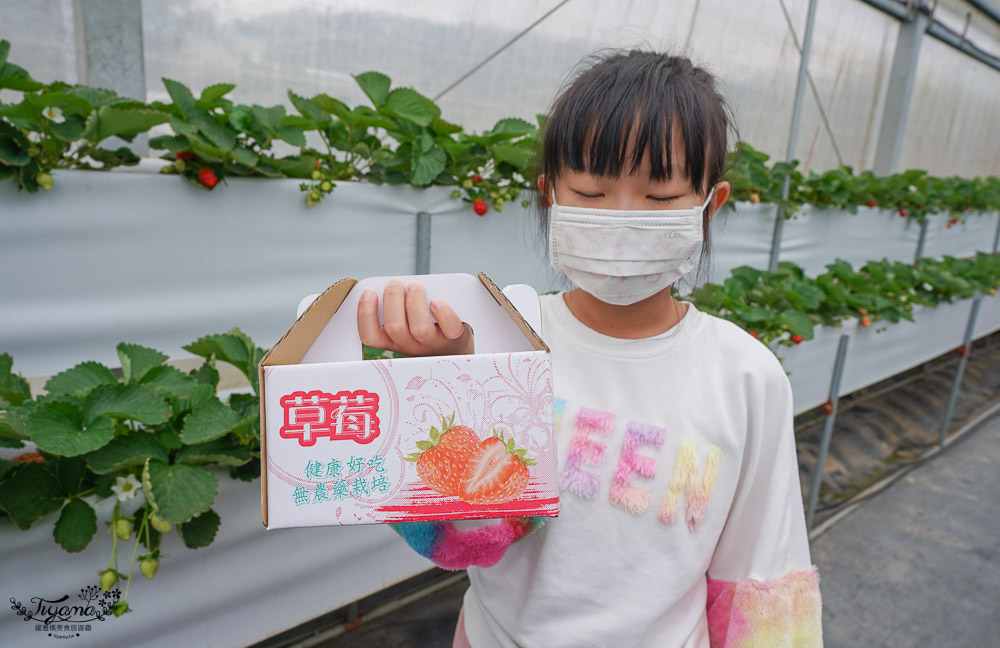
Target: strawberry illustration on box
{"x":352,"y":441}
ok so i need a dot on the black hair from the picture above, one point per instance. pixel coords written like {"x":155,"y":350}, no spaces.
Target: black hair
{"x":622,"y":95}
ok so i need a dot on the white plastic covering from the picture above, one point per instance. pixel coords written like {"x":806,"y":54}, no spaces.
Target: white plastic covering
{"x":149,"y":259}
{"x":106,"y":258}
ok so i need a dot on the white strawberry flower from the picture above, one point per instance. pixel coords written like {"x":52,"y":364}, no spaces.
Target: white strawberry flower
{"x":54,"y":114}
{"x":126,"y":487}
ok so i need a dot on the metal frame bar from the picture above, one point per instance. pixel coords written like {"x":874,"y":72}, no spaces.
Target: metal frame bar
{"x":921,"y":241}
{"x":938,"y":31}
{"x":902,"y":76}
{"x":996,"y":236}
{"x":960,"y":372}
{"x":831,"y":417}
{"x":793,"y":132}
{"x":423,"y":243}
{"x":990,"y":11}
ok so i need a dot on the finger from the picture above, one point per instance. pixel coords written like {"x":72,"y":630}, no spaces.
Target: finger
{"x":421,"y":326}
{"x":449,"y":322}
{"x":368,"y":326}
{"x":394,"y":315}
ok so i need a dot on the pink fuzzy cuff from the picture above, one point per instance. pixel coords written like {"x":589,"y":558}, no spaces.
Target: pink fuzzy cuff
{"x":780,"y":612}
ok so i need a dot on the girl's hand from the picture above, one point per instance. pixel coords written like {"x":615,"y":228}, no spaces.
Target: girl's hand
{"x":408,"y":328}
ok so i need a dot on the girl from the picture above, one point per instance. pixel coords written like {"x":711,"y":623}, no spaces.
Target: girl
{"x":681,"y":522}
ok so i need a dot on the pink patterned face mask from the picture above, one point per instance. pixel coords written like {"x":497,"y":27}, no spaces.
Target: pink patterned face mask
{"x":624,"y":256}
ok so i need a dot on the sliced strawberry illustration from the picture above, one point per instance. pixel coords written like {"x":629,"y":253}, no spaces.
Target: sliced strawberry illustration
{"x":442,"y":460}
{"x":498,"y":474}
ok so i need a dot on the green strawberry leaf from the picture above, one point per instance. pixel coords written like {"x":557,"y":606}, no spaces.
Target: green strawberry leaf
{"x":79,"y":380}
{"x":58,"y":427}
{"x":169,"y":382}
{"x":13,"y":388}
{"x":125,"y":451}
{"x":178,"y":492}
{"x":126,"y":402}
{"x":199,"y":531}
{"x":218,"y":451}
{"x":137,"y":360}
{"x":216,"y":91}
{"x":31,"y":492}
{"x":410,"y":105}
{"x":209,"y":420}
{"x":76,"y":525}
{"x":71,"y":472}
{"x":374,"y":84}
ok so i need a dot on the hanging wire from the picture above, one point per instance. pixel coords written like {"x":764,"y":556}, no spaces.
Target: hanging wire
{"x":812,"y":86}
{"x":505,"y":46}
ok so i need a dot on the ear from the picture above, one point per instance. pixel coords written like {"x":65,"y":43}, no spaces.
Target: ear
{"x":719,"y":198}
{"x":544,"y":189}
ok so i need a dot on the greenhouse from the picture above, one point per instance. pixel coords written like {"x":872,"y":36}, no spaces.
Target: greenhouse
{"x":199,"y":201}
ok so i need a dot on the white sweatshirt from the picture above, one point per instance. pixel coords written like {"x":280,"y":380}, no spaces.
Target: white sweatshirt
{"x":680,"y":504}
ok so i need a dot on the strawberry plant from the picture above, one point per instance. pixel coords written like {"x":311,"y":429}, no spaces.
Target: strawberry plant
{"x":147,"y":439}
{"x":60,"y":126}
{"x":785,"y":305}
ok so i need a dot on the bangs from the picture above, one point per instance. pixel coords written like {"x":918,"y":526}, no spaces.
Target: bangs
{"x":609,"y":122}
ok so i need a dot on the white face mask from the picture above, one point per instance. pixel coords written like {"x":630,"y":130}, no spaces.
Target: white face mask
{"x":624,"y":256}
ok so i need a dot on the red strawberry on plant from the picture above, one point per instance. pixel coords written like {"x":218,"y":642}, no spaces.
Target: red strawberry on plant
{"x":902,"y":213}
{"x":499,"y":473}
{"x":753,"y":333}
{"x":208,"y":178}
{"x":187,"y":156}
{"x":442,"y":460}
{"x":866,"y":321}
{"x":862,"y":311}
{"x":871,"y":203}
{"x":480,"y":206}
{"x":797,"y":339}
{"x":477,"y":178}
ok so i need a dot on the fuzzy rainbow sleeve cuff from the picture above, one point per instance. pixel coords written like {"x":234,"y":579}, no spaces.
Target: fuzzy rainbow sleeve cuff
{"x":781,"y":612}
{"x":450,"y":548}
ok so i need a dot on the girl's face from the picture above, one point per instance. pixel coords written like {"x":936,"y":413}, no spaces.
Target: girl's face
{"x":632,"y":192}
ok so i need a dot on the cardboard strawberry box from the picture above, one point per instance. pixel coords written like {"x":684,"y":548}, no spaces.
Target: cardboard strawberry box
{"x":352,"y":441}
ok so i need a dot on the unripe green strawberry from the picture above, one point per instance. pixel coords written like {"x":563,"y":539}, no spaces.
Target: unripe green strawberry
{"x":44,"y":181}
{"x":316,"y":175}
{"x":168,"y":169}
{"x":467,"y":183}
{"x":120,"y":608}
{"x":180,"y":165}
{"x":123,"y":529}
{"x":525,"y":203}
{"x":108,"y":579}
{"x":160,"y":525}
{"x":326,"y":186}
{"x":456,"y":193}
{"x":149,"y":567}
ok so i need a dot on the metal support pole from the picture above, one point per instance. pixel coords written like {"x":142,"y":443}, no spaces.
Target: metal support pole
{"x":109,"y":53}
{"x":423,"y":243}
{"x":831,"y":417}
{"x":897,"y":100}
{"x":921,"y":240}
{"x":793,"y":134}
{"x":996,"y":236}
{"x":963,"y":352}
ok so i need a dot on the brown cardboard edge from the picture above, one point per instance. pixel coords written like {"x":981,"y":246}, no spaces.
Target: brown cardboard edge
{"x":290,"y":349}
{"x":522,"y":324}
{"x":263,"y":448}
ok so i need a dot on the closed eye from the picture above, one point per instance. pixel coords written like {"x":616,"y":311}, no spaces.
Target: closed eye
{"x":586,"y":196}
{"x":659,"y":199}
